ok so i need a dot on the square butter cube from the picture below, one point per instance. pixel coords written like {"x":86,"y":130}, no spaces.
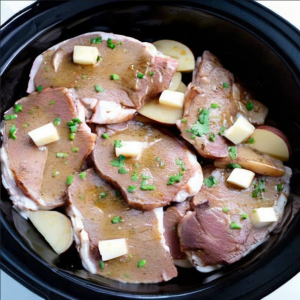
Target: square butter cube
{"x":130,"y":149}
{"x":85,"y":55}
{"x":44,"y":135}
{"x":263,"y":216}
{"x":241,"y":177}
{"x":172,"y":98}
{"x":110,"y":249}
{"x":239,"y":131}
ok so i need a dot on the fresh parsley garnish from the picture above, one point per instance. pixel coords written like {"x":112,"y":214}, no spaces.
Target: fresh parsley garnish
{"x":201,"y":127}
{"x":117,"y":143}
{"x":210,"y":181}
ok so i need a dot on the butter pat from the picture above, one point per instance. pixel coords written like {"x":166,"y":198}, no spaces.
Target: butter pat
{"x":263,"y":216}
{"x":239,"y":131}
{"x":175,"y":81}
{"x":172,"y":98}
{"x":85,"y":55}
{"x":110,"y":249}
{"x":241,"y":177}
{"x":130,"y":149}
{"x":44,"y":135}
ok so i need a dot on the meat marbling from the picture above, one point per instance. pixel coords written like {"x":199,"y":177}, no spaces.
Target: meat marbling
{"x":163,"y":156}
{"x":129,"y":58}
{"x":92,"y":215}
{"x":28,"y":170}
{"x":205,"y":233}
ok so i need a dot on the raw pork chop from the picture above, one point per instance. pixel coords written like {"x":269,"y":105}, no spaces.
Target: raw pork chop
{"x":205,"y":234}
{"x":164,"y":158}
{"x":34,"y":176}
{"x":141,"y":71}
{"x":93,"y":206}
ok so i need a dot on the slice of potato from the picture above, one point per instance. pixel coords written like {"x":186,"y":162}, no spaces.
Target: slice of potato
{"x":175,"y":81}
{"x":178,"y":51}
{"x":181,"y":88}
{"x":54,"y":227}
{"x":253,"y":160}
{"x":161,"y":113}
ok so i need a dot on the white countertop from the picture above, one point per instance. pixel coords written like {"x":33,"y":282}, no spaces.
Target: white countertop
{"x":12,"y":290}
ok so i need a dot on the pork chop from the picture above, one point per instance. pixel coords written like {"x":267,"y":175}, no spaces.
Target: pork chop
{"x":127,"y":74}
{"x":94,"y":205}
{"x":35,"y":176}
{"x":165,"y":171}
{"x":206,"y":235}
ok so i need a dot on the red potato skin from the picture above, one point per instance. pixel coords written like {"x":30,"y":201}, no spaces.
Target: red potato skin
{"x":278,"y":133}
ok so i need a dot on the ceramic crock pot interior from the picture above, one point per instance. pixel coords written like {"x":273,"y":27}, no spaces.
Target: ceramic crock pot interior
{"x":257,"y":46}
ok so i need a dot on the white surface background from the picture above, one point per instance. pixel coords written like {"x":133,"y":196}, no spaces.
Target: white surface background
{"x":12,"y":290}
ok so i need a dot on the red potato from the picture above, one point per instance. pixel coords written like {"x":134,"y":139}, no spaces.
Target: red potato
{"x":272,"y":141}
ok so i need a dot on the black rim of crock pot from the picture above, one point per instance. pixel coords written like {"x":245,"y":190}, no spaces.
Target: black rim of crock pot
{"x":21,"y":264}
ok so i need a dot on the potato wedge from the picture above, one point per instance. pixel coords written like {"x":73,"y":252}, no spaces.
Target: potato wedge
{"x":254,"y":161}
{"x":54,"y":227}
{"x":161,"y":113}
{"x":175,"y":81}
{"x":178,"y":51}
{"x":181,"y":88}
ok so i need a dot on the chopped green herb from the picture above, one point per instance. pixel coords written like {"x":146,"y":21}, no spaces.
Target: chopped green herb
{"x":130,"y":256}
{"x":76,"y":120}
{"x":135,"y":176}
{"x":233,"y":166}
{"x":31,"y":112}
{"x":126,"y":275}
{"x":73,"y":128}
{"x":55,"y":173}
{"x":62,"y":155}
{"x":116,"y":220}
{"x":222,"y":129}
{"x":161,"y":164}
{"x":151,"y":73}
{"x":244,"y":216}
{"x":56,"y":121}
{"x":70,"y":179}
{"x":118,"y":162}
{"x":225,"y":209}
{"x":118,"y":194}
{"x":105,"y":135}
{"x":120,"y":43}
{"x":114,"y":77}
{"x":193,"y":137}
{"x":145,"y":187}
{"x":136,"y":165}
{"x":99,"y":88}
{"x":117,"y":143}
{"x":110,"y":44}
{"x":131,"y":188}
{"x":123,"y":171}
{"x":202,"y":126}
{"x":141,"y":263}
{"x":214,"y":105}
{"x":225,"y":85}
{"x":82,"y":175}
{"x":12,"y":132}
{"x":254,"y":210}
{"x":184,"y":120}
{"x":75,"y":149}
{"x":52,"y":102}
{"x":146,"y":176}
{"x":157,"y":159}
{"x":72,"y":136}
{"x":279,"y":187}
{"x":258,"y":188}
{"x":39,"y":88}
{"x":174,"y":178}
{"x":233,"y":152}
{"x":47,"y":68}
{"x":84,"y":77}
{"x":140,"y":75}
{"x":81,"y":197}
{"x":249,"y":105}
{"x":66,"y":162}
{"x":99,"y":57}
{"x":101,"y":264}
{"x":10,"y":117}
{"x":251,"y":141}
{"x":96,"y":40}
{"x":18,"y":108}
{"x":212,"y":137}
{"x":25,"y":125}
{"x":210,"y":181}
{"x":108,"y":273}
{"x":178,"y":161}
{"x":104,"y":194}
{"x":234,"y":225}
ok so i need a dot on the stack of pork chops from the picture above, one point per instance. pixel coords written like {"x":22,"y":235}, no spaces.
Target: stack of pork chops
{"x":156,"y":200}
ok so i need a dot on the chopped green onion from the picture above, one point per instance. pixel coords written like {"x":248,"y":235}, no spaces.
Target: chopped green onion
{"x":117,"y":143}
{"x":161,"y":164}
{"x":72,"y":136}
{"x":131,"y":188}
{"x":99,"y":88}
{"x":56,"y":121}
{"x":10,"y":117}
{"x":84,"y":77}
{"x":234,"y":225}
{"x":47,"y":68}
{"x":18,"y":108}
{"x":149,"y":187}
{"x":52,"y":102}
{"x":122,"y":171}
{"x":225,"y":209}
{"x":116,"y":220}
{"x":184,"y":120}
{"x":178,"y":161}
{"x":61,"y":155}
{"x":258,"y":188}
{"x":104,"y":194}
{"x":249,"y":105}
{"x":70,"y":179}
{"x":118,"y":162}
{"x":81,"y":197}
{"x":140,"y":75}
{"x":12,"y":132}
{"x":114,"y":77}
{"x":120,"y":43}
{"x":151,"y":73}
{"x":110,"y":44}
{"x":82,"y":175}
{"x":126,"y":275}
{"x":55,"y":173}
{"x":135,"y":177}
{"x":157,"y":159}
{"x":222,"y":129}
{"x":25,"y":125}
{"x":73,"y":128}
{"x":75,"y":149}
{"x":146,"y":176}
{"x":136,"y":165}
{"x":118,"y":194}
{"x":105,"y":135}
{"x":244,"y":216}
{"x":279,"y":187}
{"x":141,"y":263}
{"x":193,"y":137}
{"x":214,"y":105}
{"x":251,"y":141}
{"x":99,"y":57}
{"x":233,"y":166}
{"x":96,"y":40}
{"x":225,"y":85}
{"x":212,"y":137}
{"x":101,"y":264}
{"x":210,"y":181}
{"x":233,"y":152}
{"x":39,"y":88}
{"x":76,"y":120}
{"x":174,"y":178}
